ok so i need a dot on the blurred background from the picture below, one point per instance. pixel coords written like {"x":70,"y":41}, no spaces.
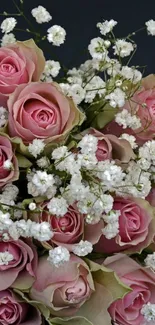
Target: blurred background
{"x":79,"y":18}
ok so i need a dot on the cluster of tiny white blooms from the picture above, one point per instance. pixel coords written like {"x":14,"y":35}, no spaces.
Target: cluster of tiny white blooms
{"x":150,"y":261}
{"x":113,"y":67}
{"x":125,"y":119}
{"x":130,"y":138}
{"x":116,"y":98}
{"x":131,"y":74}
{"x":8,"y":25}
{"x":43,"y":162}
{"x":56,"y":35}
{"x":107,"y":26}
{"x":8,"y":39}
{"x":51,"y":69}
{"x":77,"y":93}
{"x":97,"y":49}
{"x":136,"y":183}
{"x":59,"y":152}
{"x":25,"y":228}
{"x":3,"y":116}
{"x":42,"y":183}
{"x":110,"y":174}
{"x":148,"y":311}
{"x":111,"y":230}
{"x":41,"y":15}
{"x":65,"y":160}
{"x":83,"y":248}
{"x":150,"y":27}
{"x":32,"y":206}
{"x":5,"y":258}
{"x":147,"y":151}
{"x":58,"y":256}
{"x":58,"y":206}
{"x":123,"y":48}
{"x":36,"y":147}
{"x":96,"y":86}
{"x":88,"y":144}
{"x":8,"y":196}
{"x":94,"y":205}
{"x":112,"y":216}
{"x":8,"y":164}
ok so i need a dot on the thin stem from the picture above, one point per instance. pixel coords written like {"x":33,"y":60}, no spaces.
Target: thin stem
{"x":8,"y":14}
{"x":22,"y":14}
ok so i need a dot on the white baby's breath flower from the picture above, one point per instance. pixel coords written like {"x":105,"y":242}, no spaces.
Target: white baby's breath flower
{"x":41,"y":15}
{"x":130,"y":138}
{"x":3,"y":116}
{"x":148,"y":311}
{"x":111,"y":230}
{"x":77,"y":93}
{"x":125,"y":119}
{"x":57,"y":206}
{"x":8,"y":39}
{"x":36,"y":147}
{"x":56,"y":35}
{"x":43,"y":162}
{"x":32,"y":206}
{"x":83,"y":248}
{"x":150,"y":27}
{"x":106,"y":26}
{"x":52,"y":68}
{"x":97,"y":49}
{"x":123,"y":48}
{"x":8,"y":164}
{"x":58,"y":256}
{"x":116,"y":98}
{"x":5,"y":258}
{"x":8,"y":25}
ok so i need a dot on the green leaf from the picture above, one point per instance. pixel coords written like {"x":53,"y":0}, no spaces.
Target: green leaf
{"x":23,"y":162}
{"x":104,"y":117}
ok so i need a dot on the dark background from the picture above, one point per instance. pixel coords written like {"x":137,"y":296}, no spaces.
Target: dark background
{"x":79,"y":18}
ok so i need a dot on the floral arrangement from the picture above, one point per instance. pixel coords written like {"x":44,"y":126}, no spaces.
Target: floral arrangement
{"x":77,"y":180}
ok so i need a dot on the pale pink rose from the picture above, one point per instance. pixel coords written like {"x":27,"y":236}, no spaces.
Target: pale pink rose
{"x":64,"y":289}
{"x":143,"y":103}
{"x":69,"y":229}
{"x":40,"y":110}
{"x":127,"y":311}
{"x":136,"y":227}
{"x":15,"y":311}
{"x":19,"y":63}
{"x":20,"y":272}
{"x":110,"y":147}
{"x":7,"y":153}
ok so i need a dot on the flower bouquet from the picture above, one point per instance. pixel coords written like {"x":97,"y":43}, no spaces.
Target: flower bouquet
{"x":77,"y":180}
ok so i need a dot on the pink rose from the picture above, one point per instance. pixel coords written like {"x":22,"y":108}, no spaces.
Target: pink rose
{"x":127,"y":311}
{"x":6,"y":153}
{"x":13,"y":310}
{"x":64,"y":289}
{"x":20,"y":271}
{"x":136,"y":227}
{"x":70,"y":229}
{"x":110,"y":147}
{"x":19,"y":63}
{"x":40,"y":110}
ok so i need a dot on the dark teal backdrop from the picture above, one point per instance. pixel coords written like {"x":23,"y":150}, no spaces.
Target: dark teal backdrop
{"x":79,"y":18}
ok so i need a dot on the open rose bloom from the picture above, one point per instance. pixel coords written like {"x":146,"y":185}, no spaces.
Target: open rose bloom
{"x":77,"y":180}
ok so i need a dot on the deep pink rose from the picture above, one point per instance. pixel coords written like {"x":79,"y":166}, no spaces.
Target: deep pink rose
{"x":20,"y":271}
{"x":63,"y":289}
{"x":127,"y":311}
{"x":13,"y":310}
{"x":19,"y":63}
{"x":6,"y":153}
{"x":40,"y":110}
{"x":110,"y":147}
{"x":69,"y":229}
{"x":136,"y":227}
